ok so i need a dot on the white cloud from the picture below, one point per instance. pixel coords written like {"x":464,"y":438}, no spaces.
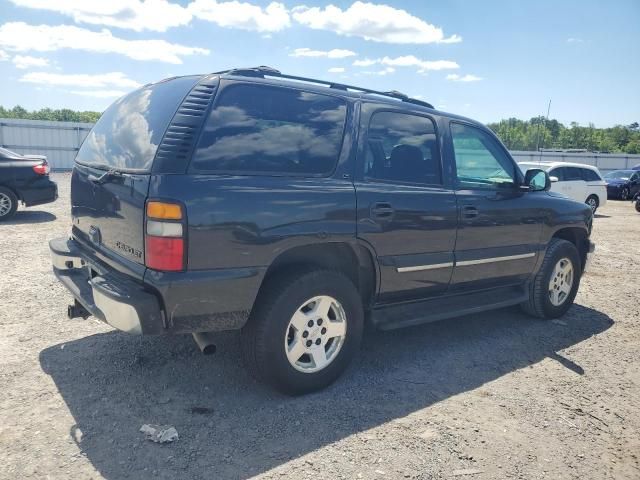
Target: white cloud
{"x":466,"y":78}
{"x":336,"y":70}
{"x":138,"y":15}
{"x":423,"y":66}
{"x":99,"y":93}
{"x":112,"y":79}
{"x":25,"y":61}
{"x":364,"y":63}
{"x":245,"y":16}
{"x":335,"y":53}
{"x":384,"y":71}
{"x":19,"y":36}
{"x":4,"y":56}
{"x":375,"y":22}
{"x":574,"y":40}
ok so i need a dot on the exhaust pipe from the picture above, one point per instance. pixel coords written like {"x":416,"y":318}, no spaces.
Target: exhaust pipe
{"x":77,"y":310}
{"x":205,"y":340}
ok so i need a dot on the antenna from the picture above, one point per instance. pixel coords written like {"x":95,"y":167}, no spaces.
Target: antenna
{"x":545,"y":124}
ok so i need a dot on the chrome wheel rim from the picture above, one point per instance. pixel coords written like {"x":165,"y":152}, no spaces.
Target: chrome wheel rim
{"x":624,"y":194}
{"x":592,"y":203}
{"x":315,"y":334}
{"x":561,"y":282}
{"x":5,"y":204}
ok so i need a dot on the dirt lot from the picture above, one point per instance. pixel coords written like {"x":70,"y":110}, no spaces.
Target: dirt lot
{"x":497,"y":395}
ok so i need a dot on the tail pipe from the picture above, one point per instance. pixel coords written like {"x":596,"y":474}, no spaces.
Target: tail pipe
{"x":205,"y":342}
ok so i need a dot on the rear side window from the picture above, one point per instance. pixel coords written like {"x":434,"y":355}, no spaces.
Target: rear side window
{"x":590,"y":175}
{"x":402,"y":147}
{"x":572,"y":174}
{"x":256,"y":129}
{"x":128,"y":133}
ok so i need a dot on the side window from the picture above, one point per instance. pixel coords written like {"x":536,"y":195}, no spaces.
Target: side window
{"x":573,"y":174}
{"x":480,"y":161}
{"x":589,"y":175}
{"x":635,"y":177}
{"x":262,"y":129}
{"x":403,"y":148}
{"x":558,"y":173}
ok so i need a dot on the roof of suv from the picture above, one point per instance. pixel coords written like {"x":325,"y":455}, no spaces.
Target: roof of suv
{"x":271,"y":76}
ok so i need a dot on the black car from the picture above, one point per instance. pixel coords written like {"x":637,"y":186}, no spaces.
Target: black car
{"x":622,"y":184}
{"x":297,"y":210}
{"x":23,"y":178}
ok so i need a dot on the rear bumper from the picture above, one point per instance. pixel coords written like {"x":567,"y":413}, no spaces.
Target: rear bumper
{"x":159,"y":302}
{"x":43,"y":190}
{"x":109,"y":296}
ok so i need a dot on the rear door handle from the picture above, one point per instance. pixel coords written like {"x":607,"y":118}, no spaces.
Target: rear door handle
{"x":382,"y":211}
{"x":469,"y":211}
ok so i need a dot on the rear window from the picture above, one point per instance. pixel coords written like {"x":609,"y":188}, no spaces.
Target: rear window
{"x":128,"y":133}
{"x":256,"y":129}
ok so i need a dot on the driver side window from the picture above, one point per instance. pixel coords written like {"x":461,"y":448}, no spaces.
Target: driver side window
{"x":480,"y":162}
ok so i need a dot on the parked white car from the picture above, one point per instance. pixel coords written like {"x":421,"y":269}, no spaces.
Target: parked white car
{"x":577,"y":181}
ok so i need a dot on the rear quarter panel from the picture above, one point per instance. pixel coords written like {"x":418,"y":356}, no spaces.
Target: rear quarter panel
{"x":247,"y":221}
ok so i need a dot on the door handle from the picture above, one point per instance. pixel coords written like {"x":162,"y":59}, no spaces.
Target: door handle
{"x":469,"y":211}
{"x":382,"y":211}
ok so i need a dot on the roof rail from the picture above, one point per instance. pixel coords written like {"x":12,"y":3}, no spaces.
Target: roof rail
{"x":264,"y":71}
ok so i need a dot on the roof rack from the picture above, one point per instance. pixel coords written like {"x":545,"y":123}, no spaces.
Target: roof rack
{"x":264,"y":71}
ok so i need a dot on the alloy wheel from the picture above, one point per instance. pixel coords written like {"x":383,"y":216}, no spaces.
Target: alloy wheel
{"x":561,"y":282}
{"x":5,"y":204}
{"x":316,"y":333}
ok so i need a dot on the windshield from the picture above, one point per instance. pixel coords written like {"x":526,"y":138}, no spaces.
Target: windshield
{"x":128,"y":133}
{"x":619,"y":175}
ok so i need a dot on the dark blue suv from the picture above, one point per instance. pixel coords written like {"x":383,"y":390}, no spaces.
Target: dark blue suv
{"x":297,"y":210}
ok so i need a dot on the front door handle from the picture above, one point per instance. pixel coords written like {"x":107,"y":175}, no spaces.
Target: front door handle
{"x":381,"y":211}
{"x":469,"y":211}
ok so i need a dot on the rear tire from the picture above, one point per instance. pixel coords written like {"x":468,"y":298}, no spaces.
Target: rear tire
{"x":270,"y":337}
{"x":8,"y":204}
{"x":553,"y":289}
{"x":593,"y":202}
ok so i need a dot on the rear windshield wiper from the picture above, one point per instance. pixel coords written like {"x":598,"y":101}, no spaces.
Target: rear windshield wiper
{"x":105,"y":177}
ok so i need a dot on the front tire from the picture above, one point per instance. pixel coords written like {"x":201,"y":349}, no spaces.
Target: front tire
{"x":624,"y":194}
{"x":593,"y":202}
{"x":8,"y":204}
{"x":303,"y":331}
{"x":555,"y":286}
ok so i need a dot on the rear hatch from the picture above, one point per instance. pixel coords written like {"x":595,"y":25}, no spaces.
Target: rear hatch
{"x":111,"y":177}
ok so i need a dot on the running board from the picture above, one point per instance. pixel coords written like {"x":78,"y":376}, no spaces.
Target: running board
{"x":440,"y":308}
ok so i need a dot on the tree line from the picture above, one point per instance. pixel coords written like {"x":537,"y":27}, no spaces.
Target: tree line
{"x":516,"y":134}
{"x":540,"y":132}
{"x":56,"y":115}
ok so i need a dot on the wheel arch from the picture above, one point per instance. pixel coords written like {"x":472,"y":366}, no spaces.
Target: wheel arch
{"x":579,"y":237}
{"x":353,"y":259}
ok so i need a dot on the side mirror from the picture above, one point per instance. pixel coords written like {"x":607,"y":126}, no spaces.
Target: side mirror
{"x":554,"y":179}
{"x":536,"y":180}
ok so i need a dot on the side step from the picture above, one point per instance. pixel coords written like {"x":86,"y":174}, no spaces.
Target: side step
{"x":434,"y":309}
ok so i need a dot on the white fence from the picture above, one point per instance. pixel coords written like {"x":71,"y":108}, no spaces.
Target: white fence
{"x":60,"y":142}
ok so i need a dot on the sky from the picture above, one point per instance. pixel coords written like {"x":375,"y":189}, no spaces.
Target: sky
{"x":487,"y":60}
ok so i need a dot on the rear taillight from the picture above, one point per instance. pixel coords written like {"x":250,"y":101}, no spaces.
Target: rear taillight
{"x":164,"y":237}
{"x":42,"y":169}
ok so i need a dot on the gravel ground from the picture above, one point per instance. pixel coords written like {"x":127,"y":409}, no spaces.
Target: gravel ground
{"x":496,"y":395}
